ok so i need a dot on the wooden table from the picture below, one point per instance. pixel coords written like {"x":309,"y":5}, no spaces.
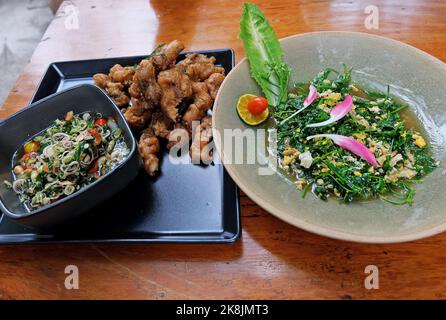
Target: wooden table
{"x":273,"y":259}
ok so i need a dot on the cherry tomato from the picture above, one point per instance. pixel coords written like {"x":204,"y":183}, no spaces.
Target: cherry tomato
{"x":100,"y":122}
{"x":31,"y":146}
{"x":257,"y":105}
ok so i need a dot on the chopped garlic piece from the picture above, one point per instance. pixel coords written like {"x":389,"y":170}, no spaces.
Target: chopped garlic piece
{"x":396,"y":159}
{"x":300,"y":183}
{"x":306,"y":159}
{"x":326,"y":93}
{"x":375,"y":109}
{"x":324,"y":108}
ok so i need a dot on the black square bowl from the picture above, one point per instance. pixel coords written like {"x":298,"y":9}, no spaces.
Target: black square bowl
{"x":20,"y":127}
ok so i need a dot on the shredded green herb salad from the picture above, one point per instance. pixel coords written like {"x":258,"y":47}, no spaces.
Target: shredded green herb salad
{"x":333,"y":138}
{"x":319,"y":164}
{"x":66,"y":157}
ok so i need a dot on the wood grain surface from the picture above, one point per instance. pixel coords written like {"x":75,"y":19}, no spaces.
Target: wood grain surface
{"x":272,"y":260}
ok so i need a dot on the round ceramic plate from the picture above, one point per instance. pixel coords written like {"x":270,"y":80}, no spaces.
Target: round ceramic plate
{"x":414,"y":76}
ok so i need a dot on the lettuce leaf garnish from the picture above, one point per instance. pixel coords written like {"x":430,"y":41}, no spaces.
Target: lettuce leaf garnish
{"x":264,"y":55}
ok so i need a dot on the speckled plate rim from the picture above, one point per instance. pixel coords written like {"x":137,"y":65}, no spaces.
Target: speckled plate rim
{"x":300,"y":223}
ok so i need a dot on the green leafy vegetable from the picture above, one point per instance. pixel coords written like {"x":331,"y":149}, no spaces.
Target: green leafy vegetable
{"x":402,"y":153}
{"x":264,"y":55}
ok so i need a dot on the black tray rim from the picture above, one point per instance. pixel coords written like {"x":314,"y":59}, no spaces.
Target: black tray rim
{"x":165,"y":238}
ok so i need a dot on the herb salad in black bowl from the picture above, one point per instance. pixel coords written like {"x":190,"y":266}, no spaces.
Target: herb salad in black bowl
{"x":63,"y":155}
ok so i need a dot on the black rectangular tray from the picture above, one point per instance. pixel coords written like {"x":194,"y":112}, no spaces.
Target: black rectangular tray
{"x":186,"y":203}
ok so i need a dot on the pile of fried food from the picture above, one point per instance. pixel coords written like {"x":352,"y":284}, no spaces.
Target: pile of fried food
{"x":165,"y":100}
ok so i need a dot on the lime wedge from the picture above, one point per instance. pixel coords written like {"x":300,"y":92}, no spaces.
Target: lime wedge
{"x":246,"y":115}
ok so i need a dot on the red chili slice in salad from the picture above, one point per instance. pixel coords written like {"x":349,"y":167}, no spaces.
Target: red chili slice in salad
{"x":100,"y":122}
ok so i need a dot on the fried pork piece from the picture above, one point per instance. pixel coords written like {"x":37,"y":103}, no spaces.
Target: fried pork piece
{"x":179,"y":134}
{"x":192,"y":58}
{"x":138,"y":114}
{"x":199,"y":67}
{"x":176,"y":87}
{"x":202,"y":99}
{"x":202,"y":137}
{"x":192,"y":114}
{"x":122,"y":74}
{"x":164,"y":57}
{"x":144,"y":86}
{"x":202,"y":102}
{"x":149,"y":148}
{"x":161,"y":125}
{"x":101,"y":80}
{"x":214,"y":82}
{"x":160,"y":89}
{"x":114,"y":89}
